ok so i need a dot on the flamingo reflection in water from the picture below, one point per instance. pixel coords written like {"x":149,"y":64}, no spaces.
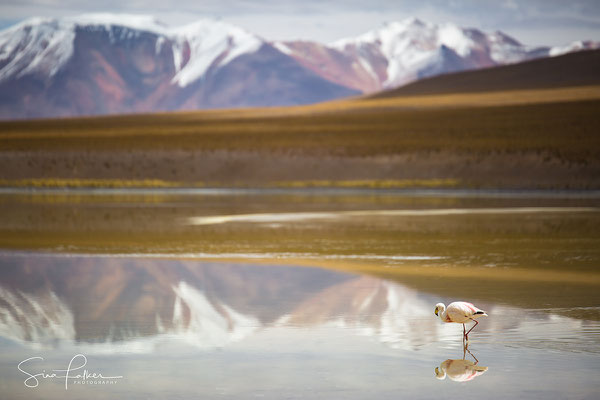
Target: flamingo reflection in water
{"x":460,"y":370}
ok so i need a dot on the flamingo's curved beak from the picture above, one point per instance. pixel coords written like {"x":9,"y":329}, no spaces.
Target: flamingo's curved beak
{"x":436,"y":311}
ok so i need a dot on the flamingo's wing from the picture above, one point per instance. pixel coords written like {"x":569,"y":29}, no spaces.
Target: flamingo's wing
{"x":461,"y":311}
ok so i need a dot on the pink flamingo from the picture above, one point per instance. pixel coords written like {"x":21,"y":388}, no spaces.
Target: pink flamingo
{"x":459,"y":312}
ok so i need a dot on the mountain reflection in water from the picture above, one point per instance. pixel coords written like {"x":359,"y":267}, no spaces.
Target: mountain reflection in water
{"x":132,"y":305}
{"x":111,"y":305}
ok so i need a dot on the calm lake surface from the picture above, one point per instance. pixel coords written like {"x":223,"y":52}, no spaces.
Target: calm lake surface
{"x":288,"y":295}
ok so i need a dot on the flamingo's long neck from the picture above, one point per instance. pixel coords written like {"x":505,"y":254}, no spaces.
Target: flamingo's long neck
{"x":443,"y":314}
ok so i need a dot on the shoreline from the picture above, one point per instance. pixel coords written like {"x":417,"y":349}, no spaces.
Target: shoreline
{"x":359,"y":267}
{"x":312,"y":191}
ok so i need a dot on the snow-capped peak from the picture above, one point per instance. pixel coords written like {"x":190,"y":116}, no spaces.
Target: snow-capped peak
{"x":396,"y":37}
{"x":409,"y":45}
{"x":44,"y":45}
{"x":414,"y":49}
{"x":209,"y":42}
{"x":388,"y":31}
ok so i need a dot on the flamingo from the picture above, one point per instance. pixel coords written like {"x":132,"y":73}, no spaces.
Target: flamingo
{"x":459,"y":312}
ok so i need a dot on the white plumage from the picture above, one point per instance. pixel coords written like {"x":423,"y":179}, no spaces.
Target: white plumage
{"x":459,"y":312}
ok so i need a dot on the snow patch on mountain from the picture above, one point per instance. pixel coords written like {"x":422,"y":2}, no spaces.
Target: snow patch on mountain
{"x":210,"y":43}
{"x":41,"y":319}
{"x":574,"y":46}
{"x":37,"y":45}
{"x":455,"y":38}
{"x":205,"y":324}
{"x":282,"y":47}
{"x":365,"y":64}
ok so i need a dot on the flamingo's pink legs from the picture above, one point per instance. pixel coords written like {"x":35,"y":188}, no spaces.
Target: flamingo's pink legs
{"x":467,"y":334}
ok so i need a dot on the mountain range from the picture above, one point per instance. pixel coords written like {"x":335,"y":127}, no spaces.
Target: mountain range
{"x":113,"y":64}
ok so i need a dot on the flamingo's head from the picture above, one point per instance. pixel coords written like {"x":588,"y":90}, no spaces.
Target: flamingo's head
{"x":440,"y":373}
{"x":439,"y":308}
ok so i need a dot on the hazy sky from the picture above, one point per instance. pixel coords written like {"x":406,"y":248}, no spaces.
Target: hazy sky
{"x":552,"y":22}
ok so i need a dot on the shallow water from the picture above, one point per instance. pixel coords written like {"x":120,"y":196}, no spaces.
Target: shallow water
{"x":171,"y":295}
{"x":509,"y":248}
{"x":189,"y":329}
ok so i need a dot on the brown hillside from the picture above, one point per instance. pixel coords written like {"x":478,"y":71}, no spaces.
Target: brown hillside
{"x":574,"y":69}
